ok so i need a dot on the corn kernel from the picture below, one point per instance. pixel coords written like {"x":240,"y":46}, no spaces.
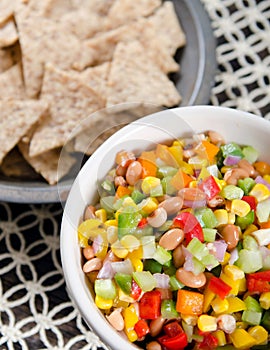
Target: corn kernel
{"x":148,"y":205}
{"x":221,"y":216}
{"x":220,"y":183}
{"x":235,"y":305}
{"x":267,"y":178}
{"x":241,"y":325}
{"x":232,"y":283}
{"x":219,"y":305}
{"x":259,"y":333}
{"x":207,"y":323}
{"x":119,"y":250}
{"x":191,"y":320}
{"x":149,"y":183}
{"x":234,"y":272}
{"x":101,"y":214}
{"x":132,"y":335}
{"x":231,"y":218}
{"x":112,"y":234}
{"x":130,"y":242}
{"x":123,"y":297}
{"x":193,"y":184}
{"x":251,"y":228}
{"x":240,"y":207}
{"x":130,"y":317}
{"x":241,"y":339}
{"x":226,"y":259}
{"x":128,"y":202}
{"x":221,"y":338}
{"x":260,"y":192}
{"x":103,"y":304}
{"x":112,"y":222}
{"x":265,"y":300}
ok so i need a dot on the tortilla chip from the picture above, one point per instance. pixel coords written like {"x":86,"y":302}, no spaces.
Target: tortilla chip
{"x":99,"y":7}
{"x":103,"y":45}
{"x":16,"y":118}
{"x":8,"y":34}
{"x":125,"y":11}
{"x":70,"y":103}
{"x":167,"y":27}
{"x":11,"y":84}
{"x":134,"y":78}
{"x":5,"y":60}
{"x":47,"y":164}
{"x":42,"y":40}
{"x":6,"y":10}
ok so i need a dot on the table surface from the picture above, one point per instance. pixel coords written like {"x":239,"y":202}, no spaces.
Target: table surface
{"x":36,"y":311}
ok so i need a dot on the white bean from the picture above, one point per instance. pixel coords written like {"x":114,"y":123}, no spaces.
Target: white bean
{"x":157,"y":218}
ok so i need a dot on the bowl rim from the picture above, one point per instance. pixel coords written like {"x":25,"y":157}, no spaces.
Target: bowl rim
{"x":75,"y":288}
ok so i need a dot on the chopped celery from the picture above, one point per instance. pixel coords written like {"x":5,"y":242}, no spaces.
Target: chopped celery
{"x":263,"y":210}
{"x":252,"y":317}
{"x":168,"y":310}
{"x":252,"y":304}
{"x":165,"y":227}
{"x":231,"y":149}
{"x":246,"y":184}
{"x":156,"y":191}
{"x":197,"y":248}
{"x":244,"y":221}
{"x":166,"y":171}
{"x":209,"y":234}
{"x":206,"y":217}
{"x":249,"y":261}
{"x":145,"y":231}
{"x":107,"y":204}
{"x":250,"y":154}
{"x":148,"y":246}
{"x":108,"y":187}
{"x":162,"y":255}
{"x":105,"y":288}
{"x":210,"y":262}
{"x":198,"y":266}
{"x":145,"y":280}
{"x":152,"y":265}
{"x":250,"y":243}
{"x":137,"y":196}
{"x":175,"y":284}
{"x":231,"y":192}
{"x":167,"y":186}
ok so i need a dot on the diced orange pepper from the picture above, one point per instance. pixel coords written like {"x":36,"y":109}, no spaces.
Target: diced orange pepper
{"x":122,"y":191}
{"x":265,"y":224}
{"x":180,"y":180}
{"x":148,"y":164}
{"x":207,"y":148}
{"x":163,"y":152}
{"x":262,"y":167}
{"x":189,"y":302}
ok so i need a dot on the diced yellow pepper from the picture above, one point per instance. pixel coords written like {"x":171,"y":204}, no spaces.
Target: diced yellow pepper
{"x":135,"y":257}
{"x":251,"y":228}
{"x":207,"y":323}
{"x":111,"y":222}
{"x":220,"y":183}
{"x":221,"y":337}
{"x":187,"y":168}
{"x":148,"y":205}
{"x":235,"y":305}
{"x":234,"y":272}
{"x":219,"y":305}
{"x":104,"y":304}
{"x":265,"y":300}
{"x":232,"y":283}
{"x":177,"y":153}
{"x":132,"y":335}
{"x":241,"y":339}
{"x":242,"y":285}
{"x":259,"y":333}
{"x":221,"y":216}
{"x":260,"y":192}
{"x":193,"y":184}
{"x":240,"y":207}
{"x":226,"y":258}
{"x":101,"y":214}
{"x":130,"y":319}
{"x":208,"y":298}
{"x":149,"y":183}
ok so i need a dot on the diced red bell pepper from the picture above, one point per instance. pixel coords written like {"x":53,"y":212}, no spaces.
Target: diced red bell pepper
{"x":172,"y":329}
{"x":209,"y":186}
{"x":251,"y":201}
{"x":136,"y":291}
{"x":178,"y":342}
{"x":209,"y":342}
{"x":150,"y":304}
{"x":219,"y":287}
{"x":142,"y":223}
{"x":258,"y":282}
{"x":141,"y":328}
{"x":190,"y":225}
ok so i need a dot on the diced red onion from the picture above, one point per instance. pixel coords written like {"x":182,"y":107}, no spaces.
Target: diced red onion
{"x":265,"y":251}
{"x":106,"y":271}
{"x":234,"y":256}
{"x":188,"y":264}
{"x":124,"y":266}
{"x":231,"y":160}
{"x":162,"y":280}
{"x":260,"y":180}
{"x":97,"y":243}
{"x":194,"y":204}
{"x":218,"y":249}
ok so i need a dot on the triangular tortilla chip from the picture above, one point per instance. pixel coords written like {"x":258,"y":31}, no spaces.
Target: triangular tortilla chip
{"x":70,"y":103}
{"x":134,"y":78}
{"x":125,"y":11}
{"x":11,"y":84}
{"x":8,"y":34}
{"x":6,"y":10}
{"x":99,"y":7}
{"x":168,"y":28}
{"x":48,"y":164}
{"x":16,"y":118}
{"x":5,"y":60}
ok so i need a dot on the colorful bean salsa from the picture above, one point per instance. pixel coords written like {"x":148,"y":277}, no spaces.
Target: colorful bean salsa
{"x":178,"y":247}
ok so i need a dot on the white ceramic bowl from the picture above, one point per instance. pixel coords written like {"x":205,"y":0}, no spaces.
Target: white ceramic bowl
{"x":143,"y":134}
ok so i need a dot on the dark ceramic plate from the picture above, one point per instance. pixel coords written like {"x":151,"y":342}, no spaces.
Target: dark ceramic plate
{"x":198,"y":65}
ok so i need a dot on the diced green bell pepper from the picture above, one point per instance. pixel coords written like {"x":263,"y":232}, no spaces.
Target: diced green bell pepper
{"x":137,"y":196}
{"x":231,"y":149}
{"x":152,"y":265}
{"x":246,"y":184}
{"x":244,"y":221}
{"x":123,"y":281}
{"x":206,"y":217}
{"x":249,"y":260}
{"x":127,"y":223}
{"x":105,"y":288}
{"x":250,"y":154}
{"x":168,"y":310}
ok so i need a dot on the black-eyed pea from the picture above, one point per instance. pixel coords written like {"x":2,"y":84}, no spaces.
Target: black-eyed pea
{"x":124,"y":158}
{"x":134,"y":172}
{"x":153,"y":345}
{"x":116,"y":319}
{"x":189,"y":279}
{"x":156,"y":325}
{"x":233,"y":175}
{"x":119,"y":181}
{"x":178,"y":256}
{"x":172,"y":205}
{"x":120,"y":170}
{"x":157,"y":218}
{"x":230,"y":234}
{"x":94,"y":264}
{"x":216,"y":138}
{"x":244,"y":164}
{"x":172,"y":238}
{"x":216,"y":201}
{"x":88,"y":252}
